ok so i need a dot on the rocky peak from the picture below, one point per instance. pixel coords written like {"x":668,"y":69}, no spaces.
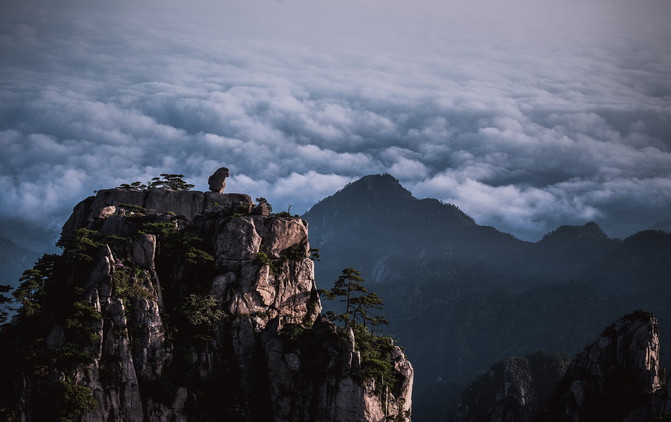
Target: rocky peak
{"x":616,"y":378}
{"x":196,"y":305}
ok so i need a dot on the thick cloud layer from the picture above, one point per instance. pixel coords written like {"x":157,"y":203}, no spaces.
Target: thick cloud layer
{"x":525,"y":114}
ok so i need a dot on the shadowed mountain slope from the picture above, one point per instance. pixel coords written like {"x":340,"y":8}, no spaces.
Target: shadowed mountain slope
{"x":461,"y":296}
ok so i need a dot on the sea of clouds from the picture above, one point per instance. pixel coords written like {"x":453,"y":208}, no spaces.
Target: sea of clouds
{"x":526,"y":115}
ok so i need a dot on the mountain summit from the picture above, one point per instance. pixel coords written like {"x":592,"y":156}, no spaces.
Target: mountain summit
{"x":378,"y":225}
{"x":379,"y":201}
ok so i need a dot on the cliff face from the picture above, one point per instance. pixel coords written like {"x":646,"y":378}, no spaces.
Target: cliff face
{"x":201,"y":306}
{"x":616,"y":378}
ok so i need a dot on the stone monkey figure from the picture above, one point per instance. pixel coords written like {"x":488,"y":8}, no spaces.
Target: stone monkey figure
{"x":217,"y":181}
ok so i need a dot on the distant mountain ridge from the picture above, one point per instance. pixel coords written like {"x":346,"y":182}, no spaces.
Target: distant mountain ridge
{"x":487,"y":294}
{"x":14,"y":260}
{"x":375,"y":217}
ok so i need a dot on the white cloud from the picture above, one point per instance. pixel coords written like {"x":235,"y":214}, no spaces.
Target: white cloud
{"x":525,"y":114}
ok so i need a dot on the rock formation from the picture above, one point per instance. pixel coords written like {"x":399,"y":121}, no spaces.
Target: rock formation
{"x":617,"y":378}
{"x":95,"y":210}
{"x":512,"y":390}
{"x":217,"y":181}
{"x":178,"y":306}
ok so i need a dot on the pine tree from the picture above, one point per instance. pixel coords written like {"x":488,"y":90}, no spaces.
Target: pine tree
{"x":360,"y":304}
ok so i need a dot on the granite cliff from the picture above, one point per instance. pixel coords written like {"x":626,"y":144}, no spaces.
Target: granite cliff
{"x":180,"y":305}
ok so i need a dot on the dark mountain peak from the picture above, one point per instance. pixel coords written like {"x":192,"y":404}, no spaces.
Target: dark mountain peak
{"x":377,"y":202}
{"x":377,"y":186}
{"x":594,"y":228}
{"x":562,"y":234}
{"x":645,"y":246}
{"x":380,"y":181}
{"x":655,"y":238}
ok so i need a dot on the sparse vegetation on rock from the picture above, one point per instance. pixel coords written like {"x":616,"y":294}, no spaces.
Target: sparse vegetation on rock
{"x":166,"y":181}
{"x":361,"y":314}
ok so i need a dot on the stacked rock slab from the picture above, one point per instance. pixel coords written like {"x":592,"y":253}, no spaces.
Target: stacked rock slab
{"x":272,"y":357}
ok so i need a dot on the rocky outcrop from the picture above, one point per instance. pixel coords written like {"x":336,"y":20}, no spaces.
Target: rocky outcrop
{"x":512,"y":390}
{"x":217,"y":182}
{"x":188,"y":204}
{"x":198,"y":309}
{"x":617,"y":378}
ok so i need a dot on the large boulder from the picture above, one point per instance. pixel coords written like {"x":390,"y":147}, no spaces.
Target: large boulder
{"x":217,"y":181}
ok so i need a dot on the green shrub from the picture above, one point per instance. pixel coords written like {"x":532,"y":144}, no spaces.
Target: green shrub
{"x":84,"y":245}
{"x":285,"y":214}
{"x":295,"y":253}
{"x":185,"y":245}
{"x":376,"y":358}
{"x":71,"y":353}
{"x":31,"y":290}
{"x":263,"y":258}
{"x":262,"y":200}
{"x":158,"y":229}
{"x":198,"y":316}
{"x":127,"y":285}
{"x":73,"y":401}
{"x":293,"y":332}
{"x":83,"y":313}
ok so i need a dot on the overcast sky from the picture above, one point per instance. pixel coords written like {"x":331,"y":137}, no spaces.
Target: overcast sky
{"x":527,"y":114}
